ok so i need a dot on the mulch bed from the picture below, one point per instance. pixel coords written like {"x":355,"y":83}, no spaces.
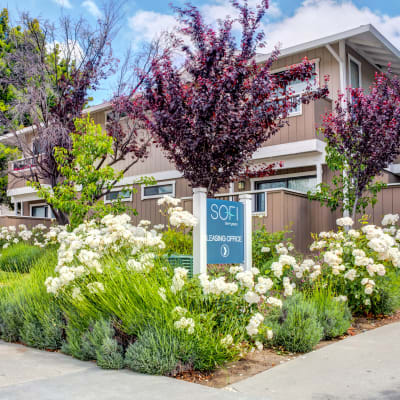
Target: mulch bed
{"x":260,"y":361}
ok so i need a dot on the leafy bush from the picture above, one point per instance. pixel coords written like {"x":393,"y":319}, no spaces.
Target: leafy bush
{"x":27,"y":312}
{"x":177,"y":242}
{"x":19,"y":257}
{"x":157,"y":351}
{"x":266,"y":246}
{"x":334,"y":315}
{"x":296,"y":326}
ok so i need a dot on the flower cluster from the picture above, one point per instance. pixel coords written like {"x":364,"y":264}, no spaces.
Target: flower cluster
{"x":81,"y":251}
{"x":357,"y":260}
{"x":177,"y":216}
{"x":39,"y":235}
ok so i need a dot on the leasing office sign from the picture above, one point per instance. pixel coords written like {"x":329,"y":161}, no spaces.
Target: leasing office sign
{"x":225,"y":232}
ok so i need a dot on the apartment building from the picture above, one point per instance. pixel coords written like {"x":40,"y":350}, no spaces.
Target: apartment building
{"x":350,"y":58}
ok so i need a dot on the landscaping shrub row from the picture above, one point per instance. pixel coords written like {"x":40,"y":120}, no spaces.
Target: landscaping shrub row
{"x":105,"y":291}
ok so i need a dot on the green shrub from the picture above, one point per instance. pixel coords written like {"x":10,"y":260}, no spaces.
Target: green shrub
{"x":109,"y":355}
{"x":177,"y":242}
{"x":27,"y":312}
{"x":19,"y":257}
{"x":157,"y":351}
{"x":95,"y":343}
{"x":262,"y":240}
{"x":385,"y":301}
{"x":334,"y":316}
{"x":296,"y":326}
{"x":11,"y":320}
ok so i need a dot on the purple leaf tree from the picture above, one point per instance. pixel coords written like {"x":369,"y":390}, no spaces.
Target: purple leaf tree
{"x":363,"y":138}
{"x":211,"y":114}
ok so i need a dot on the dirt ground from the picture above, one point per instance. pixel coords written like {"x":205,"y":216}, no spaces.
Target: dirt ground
{"x":260,"y":361}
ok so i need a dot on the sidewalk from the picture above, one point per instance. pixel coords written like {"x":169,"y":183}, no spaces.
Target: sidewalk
{"x":28,"y":374}
{"x":363,"y":367}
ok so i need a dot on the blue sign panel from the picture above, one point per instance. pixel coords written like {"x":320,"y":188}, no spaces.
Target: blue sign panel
{"x":225,"y":232}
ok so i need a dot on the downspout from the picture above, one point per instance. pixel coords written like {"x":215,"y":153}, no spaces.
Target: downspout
{"x":341,"y":59}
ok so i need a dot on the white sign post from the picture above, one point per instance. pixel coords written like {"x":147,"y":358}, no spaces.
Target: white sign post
{"x":200,"y":231}
{"x":248,"y":231}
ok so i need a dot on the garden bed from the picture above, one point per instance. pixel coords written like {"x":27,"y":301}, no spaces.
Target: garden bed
{"x":260,"y":361}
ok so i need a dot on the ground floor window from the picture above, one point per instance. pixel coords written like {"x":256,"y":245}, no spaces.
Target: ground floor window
{"x":41,"y":211}
{"x":300,"y":183}
{"x":160,"y":190}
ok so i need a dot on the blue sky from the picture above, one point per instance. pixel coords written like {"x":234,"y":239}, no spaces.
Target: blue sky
{"x":289,"y":22}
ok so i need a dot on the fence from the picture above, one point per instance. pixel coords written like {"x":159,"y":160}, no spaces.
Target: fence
{"x":15,"y":220}
{"x":292,"y":210}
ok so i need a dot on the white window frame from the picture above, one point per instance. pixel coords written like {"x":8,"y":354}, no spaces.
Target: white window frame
{"x":119,"y":189}
{"x":157,"y":196}
{"x":353,"y":59}
{"x":314,"y":61}
{"x":49,"y":212}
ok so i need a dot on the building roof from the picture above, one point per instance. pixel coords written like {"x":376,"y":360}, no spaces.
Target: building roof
{"x":366,"y":40}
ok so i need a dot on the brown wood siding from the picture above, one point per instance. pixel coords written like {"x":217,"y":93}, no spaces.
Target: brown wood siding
{"x":304,"y":126}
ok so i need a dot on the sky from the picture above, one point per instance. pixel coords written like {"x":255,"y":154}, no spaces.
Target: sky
{"x":287,"y":23}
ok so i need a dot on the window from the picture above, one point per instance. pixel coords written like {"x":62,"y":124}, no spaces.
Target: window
{"x":299,"y":183}
{"x":154,"y":191}
{"x":40,"y":211}
{"x":18,"y":208}
{"x":123,"y":195}
{"x":297,"y":87}
{"x":354,"y":72}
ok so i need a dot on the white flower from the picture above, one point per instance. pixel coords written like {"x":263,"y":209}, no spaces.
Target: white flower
{"x":390,"y":219}
{"x":251,"y":297}
{"x":245,"y":278}
{"x":180,"y":310}
{"x":263,"y":285}
{"x":270,"y":334}
{"x":265,"y":249}
{"x":273,"y":301}
{"x":254,"y":323}
{"x":185,"y":323}
{"x":345,"y":221}
{"x":76,"y":293}
{"x":351,"y":274}
{"x":340,"y":298}
{"x":255,"y":271}
{"x":235,"y":270}
{"x":259,"y":345}
{"x":277,"y":269}
{"x":95,"y":287}
{"x":227,"y":340}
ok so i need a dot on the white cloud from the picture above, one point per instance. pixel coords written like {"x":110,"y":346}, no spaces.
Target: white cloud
{"x":63,"y":3}
{"x":92,"y":8}
{"x":318,"y":18}
{"x":148,"y":24}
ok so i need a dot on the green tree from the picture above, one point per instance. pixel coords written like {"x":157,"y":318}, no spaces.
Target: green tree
{"x":86,"y":180}
{"x":6,"y":154}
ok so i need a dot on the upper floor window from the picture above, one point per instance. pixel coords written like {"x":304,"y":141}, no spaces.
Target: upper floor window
{"x":296,"y":88}
{"x":354,"y":72}
{"x":155,"y":191}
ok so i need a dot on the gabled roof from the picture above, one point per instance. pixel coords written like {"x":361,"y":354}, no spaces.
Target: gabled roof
{"x":366,"y":40}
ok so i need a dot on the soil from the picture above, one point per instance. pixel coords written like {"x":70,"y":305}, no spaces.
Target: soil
{"x":260,"y":361}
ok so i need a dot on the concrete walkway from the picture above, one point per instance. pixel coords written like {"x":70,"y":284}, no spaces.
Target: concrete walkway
{"x":28,"y":374}
{"x":363,"y":367}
